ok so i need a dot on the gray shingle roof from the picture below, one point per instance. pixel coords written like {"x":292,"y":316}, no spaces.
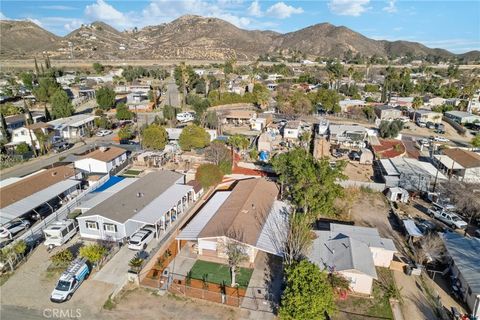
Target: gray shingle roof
{"x":338,"y":252}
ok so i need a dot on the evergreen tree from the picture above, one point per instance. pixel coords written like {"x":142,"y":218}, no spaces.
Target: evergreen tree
{"x":48,"y":117}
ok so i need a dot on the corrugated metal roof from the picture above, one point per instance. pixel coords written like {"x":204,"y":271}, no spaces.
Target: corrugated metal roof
{"x":412,"y":228}
{"x":388,"y":167}
{"x":274,"y":232}
{"x":154,"y":211}
{"x":29,"y":203}
{"x":193,"y":229}
{"x":464,"y":253}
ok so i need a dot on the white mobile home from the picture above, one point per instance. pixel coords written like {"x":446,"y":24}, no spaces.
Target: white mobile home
{"x":102,"y":160}
{"x":156,"y":199}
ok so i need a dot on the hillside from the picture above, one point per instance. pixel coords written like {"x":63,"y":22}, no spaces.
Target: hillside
{"x":22,"y":38}
{"x":198,"y":38}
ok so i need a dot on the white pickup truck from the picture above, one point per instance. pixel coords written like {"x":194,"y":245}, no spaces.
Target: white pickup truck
{"x":451,"y":219}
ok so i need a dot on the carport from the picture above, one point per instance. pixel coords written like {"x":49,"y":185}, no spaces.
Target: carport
{"x":32,"y":202}
{"x":166,"y":208}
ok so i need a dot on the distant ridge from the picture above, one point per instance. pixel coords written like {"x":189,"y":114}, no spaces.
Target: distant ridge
{"x":200,"y":38}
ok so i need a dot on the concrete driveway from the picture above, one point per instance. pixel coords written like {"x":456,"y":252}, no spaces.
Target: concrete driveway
{"x":115,"y":271}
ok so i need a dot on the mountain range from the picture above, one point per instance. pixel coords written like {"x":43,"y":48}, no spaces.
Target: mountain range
{"x":193,"y":37}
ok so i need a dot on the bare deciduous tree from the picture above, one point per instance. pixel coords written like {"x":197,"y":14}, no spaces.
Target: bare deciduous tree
{"x":465,"y":196}
{"x":299,"y":237}
{"x":430,"y":249}
{"x":236,"y":252}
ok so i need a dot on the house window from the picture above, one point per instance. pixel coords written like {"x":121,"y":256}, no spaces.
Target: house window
{"x":109,"y":227}
{"x":92,"y":225}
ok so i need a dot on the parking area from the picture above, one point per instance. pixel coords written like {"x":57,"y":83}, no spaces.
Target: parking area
{"x":31,"y":285}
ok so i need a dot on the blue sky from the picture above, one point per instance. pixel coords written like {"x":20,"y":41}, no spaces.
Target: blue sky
{"x":452,"y":25}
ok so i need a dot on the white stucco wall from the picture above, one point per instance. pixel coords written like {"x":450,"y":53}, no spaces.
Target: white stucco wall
{"x":382,"y":257}
{"x":92,"y":165}
{"x":360,"y":283}
{"x":100,"y":233}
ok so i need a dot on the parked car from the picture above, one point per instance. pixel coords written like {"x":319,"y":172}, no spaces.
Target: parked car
{"x":421,"y":124}
{"x":430,"y":125}
{"x":449,"y":218}
{"x":427,"y":226}
{"x":354,"y":156}
{"x":141,"y":238}
{"x":440,"y":139}
{"x":60,"y":146}
{"x":185,"y":117}
{"x":103,"y":133}
{"x":439,"y":131}
{"x":11,"y":228}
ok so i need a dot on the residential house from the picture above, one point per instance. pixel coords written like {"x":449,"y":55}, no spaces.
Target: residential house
{"x":465,"y":268}
{"x":19,"y":120}
{"x":29,"y":135}
{"x":157,"y":200}
{"x":174,"y":133}
{"x":74,"y":127}
{"x":102,"y":160}
{"x":474,"y":104}
{"x":401,"y":101}
{"x":38,"y":193}
{"x":346,"y":135}
{"x":248,"y":214}
{"x":410,"y":174}
{"x":462,"y":117}
{"x":353,"y":252}
{"x":347,"y":105}
{"x":239,"y":117}
{"x":433,"y":102}
{"x":292,"y":130}
{"x":463,"y":164}
{"x":424,"y":115}
{"x":387,"y":113}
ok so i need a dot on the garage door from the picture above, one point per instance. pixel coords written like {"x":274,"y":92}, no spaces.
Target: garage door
{"x":209,"y":245}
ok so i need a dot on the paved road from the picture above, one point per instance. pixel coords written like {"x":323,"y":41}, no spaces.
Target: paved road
{"x":172,"y":97}
{"x":42,"y":162}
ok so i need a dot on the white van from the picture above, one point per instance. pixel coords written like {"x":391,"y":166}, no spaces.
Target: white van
{"x":59,"y":232}
{"x":185,"y":117}
{"x":70,"y":280}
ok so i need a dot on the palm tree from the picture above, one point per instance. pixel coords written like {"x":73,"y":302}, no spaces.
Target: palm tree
{"x":417,"y":103}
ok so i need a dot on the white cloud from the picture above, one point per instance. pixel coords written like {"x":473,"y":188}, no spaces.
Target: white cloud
{"x":105,"y":12}
{"x":390,"y":8}
{"x":73,"y":24}
{"x":2,"y":16}
{"x":348,"y":7}
{"x":254,"y":9}
{"x":281,"y":10}
{"x":58,"y":7}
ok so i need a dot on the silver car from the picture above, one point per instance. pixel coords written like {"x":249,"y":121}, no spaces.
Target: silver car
{"x":11,"y":228}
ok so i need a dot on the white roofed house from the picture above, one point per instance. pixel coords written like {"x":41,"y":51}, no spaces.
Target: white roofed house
{"x":347,"y":135}
{"x":30,"y":134}
{"x":73,"y":127}
{"x":157,"y":199}
{"x":292,"y":130}
{"x":353,"y":252}
{"x":102,"y":160}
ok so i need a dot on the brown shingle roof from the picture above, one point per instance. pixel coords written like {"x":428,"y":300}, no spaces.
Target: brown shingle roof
{"x":108,"y":155}
{"x":244,"y":212}
{"x":30,"y":185}
{"x":466,"y":159}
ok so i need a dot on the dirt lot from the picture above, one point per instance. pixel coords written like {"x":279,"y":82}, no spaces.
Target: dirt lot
{"x":359,"y":172}
{"x":31,"y":285}
{"x":450,"y":132}
{"x":372,"y":210}
{"x":145,"y":304}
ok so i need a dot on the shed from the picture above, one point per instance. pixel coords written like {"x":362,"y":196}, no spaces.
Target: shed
{"x":397,"y":194}
{"x":366,"y":156}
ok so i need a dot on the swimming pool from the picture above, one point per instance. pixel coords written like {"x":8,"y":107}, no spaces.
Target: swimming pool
{"x":110,"y":182}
